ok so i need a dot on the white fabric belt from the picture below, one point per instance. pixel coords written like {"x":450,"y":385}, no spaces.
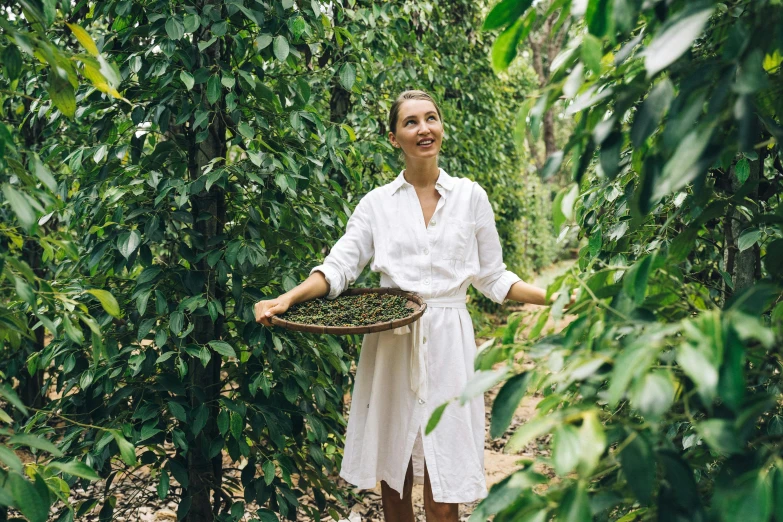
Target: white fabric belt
{"x":421,"y":328}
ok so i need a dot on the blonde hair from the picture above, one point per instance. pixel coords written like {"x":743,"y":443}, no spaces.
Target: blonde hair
{"x":394,"y":112}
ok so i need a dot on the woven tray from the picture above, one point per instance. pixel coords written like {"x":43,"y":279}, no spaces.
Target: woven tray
{"x":414,"y":302}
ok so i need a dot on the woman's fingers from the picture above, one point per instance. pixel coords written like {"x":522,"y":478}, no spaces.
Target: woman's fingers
{"x":264,"y":310}
{"x":261,"y":308}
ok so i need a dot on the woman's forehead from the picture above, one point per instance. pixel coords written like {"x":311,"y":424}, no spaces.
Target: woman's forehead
{"x":416,"y":108}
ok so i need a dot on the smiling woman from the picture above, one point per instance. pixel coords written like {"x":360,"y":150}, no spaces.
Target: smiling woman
{"x":433,"y":234}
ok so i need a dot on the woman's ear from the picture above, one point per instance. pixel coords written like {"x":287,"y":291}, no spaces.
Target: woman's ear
{"x":393,"y":140}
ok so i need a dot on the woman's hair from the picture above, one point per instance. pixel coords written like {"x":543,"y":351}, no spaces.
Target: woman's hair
{"x":394,"y":112}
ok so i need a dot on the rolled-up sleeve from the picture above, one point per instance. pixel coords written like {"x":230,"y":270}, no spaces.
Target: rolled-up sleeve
{"x":351,"y":253}
{"x":493,"y":280}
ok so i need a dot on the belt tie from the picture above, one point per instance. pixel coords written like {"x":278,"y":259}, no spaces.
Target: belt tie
{"x":418,"y":366}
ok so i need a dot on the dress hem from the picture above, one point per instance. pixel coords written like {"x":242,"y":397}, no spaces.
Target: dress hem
{"x":370,"y":483}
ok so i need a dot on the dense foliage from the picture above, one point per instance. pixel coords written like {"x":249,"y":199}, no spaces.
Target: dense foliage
{"x":163,"y":166}
{"x":661,"y":400}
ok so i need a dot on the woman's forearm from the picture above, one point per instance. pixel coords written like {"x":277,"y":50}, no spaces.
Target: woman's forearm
{"x":312,"y":287}
{"x":527,"y":293}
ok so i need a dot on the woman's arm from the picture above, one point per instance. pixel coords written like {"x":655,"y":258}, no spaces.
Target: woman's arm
{"x":312,"y":287}
{"x":526,"y":293}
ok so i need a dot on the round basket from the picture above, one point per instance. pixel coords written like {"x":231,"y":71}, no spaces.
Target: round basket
{"x":415,"y":302}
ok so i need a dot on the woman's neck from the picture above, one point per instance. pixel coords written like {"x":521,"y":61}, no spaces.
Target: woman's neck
{"x":421,"y":173}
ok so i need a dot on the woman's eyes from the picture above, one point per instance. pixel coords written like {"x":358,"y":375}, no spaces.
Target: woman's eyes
{"x":432,"y":117}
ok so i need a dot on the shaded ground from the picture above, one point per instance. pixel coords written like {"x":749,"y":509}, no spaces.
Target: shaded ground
{"x":137,"y":498}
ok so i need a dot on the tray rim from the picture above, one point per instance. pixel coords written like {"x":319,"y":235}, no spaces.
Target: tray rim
{"x":417,"y":300}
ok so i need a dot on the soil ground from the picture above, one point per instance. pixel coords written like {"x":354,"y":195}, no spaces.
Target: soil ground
{"x":137,"y":498}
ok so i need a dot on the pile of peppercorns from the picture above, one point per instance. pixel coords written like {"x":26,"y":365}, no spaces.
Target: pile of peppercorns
{"x":350,"y":310}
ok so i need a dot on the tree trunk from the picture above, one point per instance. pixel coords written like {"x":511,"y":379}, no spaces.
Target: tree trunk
{"x":741,"y":266}
{"x":205,"y":474}
{"x":30,"y":389}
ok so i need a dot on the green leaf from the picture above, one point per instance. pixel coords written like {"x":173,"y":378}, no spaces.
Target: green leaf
{"x":684,"y":165}
{"x":506,"y":403}
{"x":25,"y":291}
{"x":742,"y":170}
{"x":163,"y":484}
{"x":10,"y":396}
{"x":19,"y":204}
{"x":635,"y":280}
{"x":34,"y":441}
{"x":176,"y":321}
{"x":505,"y":12}
{"x":777,"y":492}
{"x":128,"y":242}
{"x":269,"y":471}
{"x":84,"y":38}
{"x":675,"y":38}
{"x":592,"y":53}
{"x":700,"y":369}
{"x":575,"y":506}
{"x":108,"y":301}
{"x":246,"y":130}
{"x":77,"y":469}
{"x":529,"y":431}
{"x":653,"y":394}
{"x":12,"y":61}
{"x":223,"y":348}
{"x":435,"y":418}
{"x":720,"y":435}
{"x":127,"y":451}
{"x":748,"y":238}
{"x":599,"y":16}
{"x":214,"y":89}
{"x":177,"y":410}
{"x":263,"y":41}
{"x":593,"y":443}
{"x":187,"y":79}
{"x":565,"y":449}
{"x":481,"y":382}
{"x":222,"y":421}
{"x":9,"y":458}
{"x":651,"y":113}
{"x":237,"y":425}
{"x":204,"y":45}
{"x":504,"y":50}
{"x":63,"y":96}
{"x":347,"y":75}
{"x":175,"y":29}
{"x":191,"y":22}
{"x":43,"y":174}
{"x":28,"y":499}
{"x":280,"y":48}
{"x":638,"y":464}
{"x":505,"y":493}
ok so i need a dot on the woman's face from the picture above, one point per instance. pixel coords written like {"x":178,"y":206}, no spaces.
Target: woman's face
{"x":419,"y":131}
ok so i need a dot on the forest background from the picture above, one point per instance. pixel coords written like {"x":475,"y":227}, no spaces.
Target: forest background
{"x":166,"y":164}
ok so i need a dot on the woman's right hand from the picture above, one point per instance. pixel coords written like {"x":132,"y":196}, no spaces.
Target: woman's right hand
{"x":264,"y":310}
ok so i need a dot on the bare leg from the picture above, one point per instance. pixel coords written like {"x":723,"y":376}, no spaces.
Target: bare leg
{"x":437,"y":511}
{"x":396,"y":509}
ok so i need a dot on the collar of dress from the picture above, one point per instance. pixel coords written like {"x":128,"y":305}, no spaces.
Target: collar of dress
{"x":444,"y":182}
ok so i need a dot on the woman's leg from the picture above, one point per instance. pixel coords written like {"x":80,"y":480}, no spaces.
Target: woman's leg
{"x":437,"y":511}
{"x":396,"y":509}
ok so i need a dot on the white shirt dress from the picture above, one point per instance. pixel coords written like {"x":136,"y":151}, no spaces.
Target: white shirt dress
{"x":404,"y":374}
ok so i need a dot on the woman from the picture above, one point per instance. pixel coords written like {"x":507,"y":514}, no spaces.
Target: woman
{"x":433,"y":234}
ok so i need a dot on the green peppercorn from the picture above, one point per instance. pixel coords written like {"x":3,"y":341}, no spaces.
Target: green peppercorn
{"x":350,"y":310}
